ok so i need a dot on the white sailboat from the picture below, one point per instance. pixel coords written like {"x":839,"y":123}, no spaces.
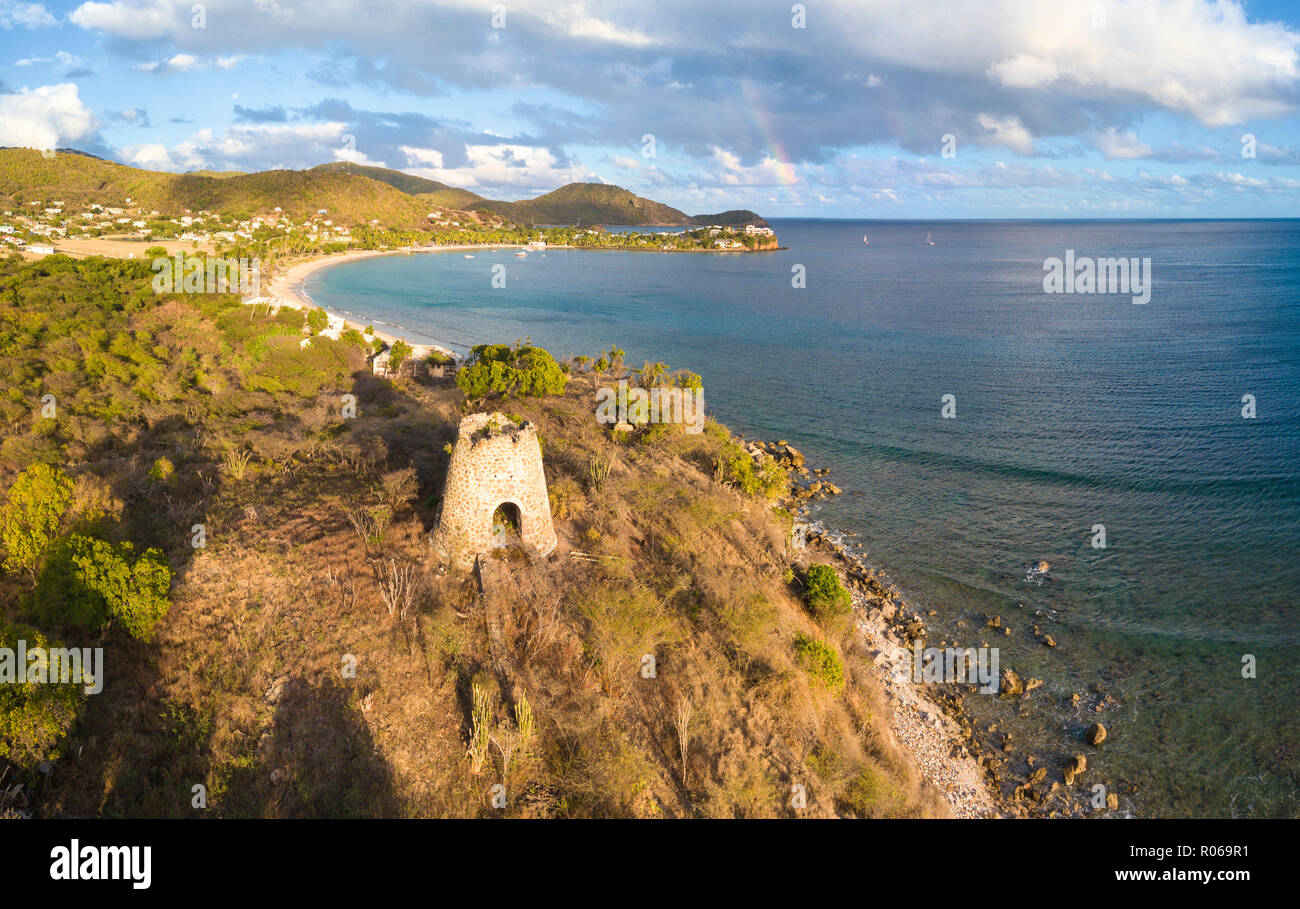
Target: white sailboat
{"x":864,"y":240}
{"x":927,"y":238}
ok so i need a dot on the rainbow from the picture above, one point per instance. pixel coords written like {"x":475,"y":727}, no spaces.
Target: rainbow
{"x":775,"y":151}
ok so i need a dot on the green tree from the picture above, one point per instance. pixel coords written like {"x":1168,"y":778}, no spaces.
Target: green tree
{"x":29,"y":521}
{"x":616,"y":355}
{"x":317,"y":321}
{"x":35,"y":716}
{"x":90,"y":582}
{"x":400,"y":353}
{"x":501,"y":369}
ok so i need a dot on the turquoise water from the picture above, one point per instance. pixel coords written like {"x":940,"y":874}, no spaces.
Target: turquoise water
{"x":1071,"y":411}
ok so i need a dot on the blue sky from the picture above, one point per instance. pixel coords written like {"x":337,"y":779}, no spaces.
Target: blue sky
{"x":1053,"y":109}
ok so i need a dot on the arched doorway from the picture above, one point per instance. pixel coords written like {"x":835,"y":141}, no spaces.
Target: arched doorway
{"x":507,"y":525}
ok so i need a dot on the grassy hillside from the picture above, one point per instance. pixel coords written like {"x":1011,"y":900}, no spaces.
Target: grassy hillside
{"x":438,"y":194}
{"x":79,"y":180}
{"x":25,"y":175}
{"x":173,"y":413}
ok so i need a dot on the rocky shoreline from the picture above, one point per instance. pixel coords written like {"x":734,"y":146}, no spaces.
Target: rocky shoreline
{"x":980,"y":769}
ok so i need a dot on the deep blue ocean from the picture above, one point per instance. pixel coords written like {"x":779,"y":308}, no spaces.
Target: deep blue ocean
{"x":1071,"y":411}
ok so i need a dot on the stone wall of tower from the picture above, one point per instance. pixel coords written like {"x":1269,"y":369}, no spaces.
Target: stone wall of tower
{"x":494,"y":462}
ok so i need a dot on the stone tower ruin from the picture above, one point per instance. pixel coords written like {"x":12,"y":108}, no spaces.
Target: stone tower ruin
{"x":496,"y":464}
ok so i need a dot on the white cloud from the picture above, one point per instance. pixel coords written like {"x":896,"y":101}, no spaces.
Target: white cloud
{"x":1203,"y":59}
{"x":263,"y":146}
{"x":573,"y":19}
{"x":601,"y":30}
{"x":47,"y":117}
{"x":768,"y":172}
{"x":179,"y":63}
{"x":150,"y":156}
{"x":14,"y":13}
{"x":1121,"y":146}
{"x":135,"y":19}
{"x":62,"y":60}
{"x":1024,"y":71}
{"x":518,"y":166}
{"x":1008,"y":132}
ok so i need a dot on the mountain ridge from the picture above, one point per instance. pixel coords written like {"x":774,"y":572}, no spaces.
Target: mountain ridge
{"x":346,"y":191}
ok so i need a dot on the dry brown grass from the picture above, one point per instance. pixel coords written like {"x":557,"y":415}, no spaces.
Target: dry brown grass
{"x":245,"y":691}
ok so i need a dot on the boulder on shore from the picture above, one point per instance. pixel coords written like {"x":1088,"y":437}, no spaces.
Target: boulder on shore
{"x":1076,"y":766}
{"x":1096,"y":734}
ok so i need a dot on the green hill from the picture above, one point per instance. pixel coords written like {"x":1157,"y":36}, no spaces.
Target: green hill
{"x":350,"y":193}
{"x":737,"y":217}
{"x":79,"y":179}
{"x":587,"y":203}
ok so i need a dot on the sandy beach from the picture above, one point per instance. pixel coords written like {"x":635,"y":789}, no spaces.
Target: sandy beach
{"x":288,"y":288}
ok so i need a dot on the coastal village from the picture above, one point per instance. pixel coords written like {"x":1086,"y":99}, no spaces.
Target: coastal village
{"x":44,"y":227}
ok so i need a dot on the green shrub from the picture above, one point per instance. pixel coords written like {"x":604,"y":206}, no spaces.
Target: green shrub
{"x":34,"y":716}
{"x":30,"y":518}
{"x":819,"y":660}
{"x":286,"y":366}
{"x":162,"y":471}
{"x":317,"y":320}
{"x":824,"y":594}
{"x":762,"y":480}
{"x":89,"y":582}
{"x":400,"y":353}
{"x":871,"y":793}
{"x":501,"y":369}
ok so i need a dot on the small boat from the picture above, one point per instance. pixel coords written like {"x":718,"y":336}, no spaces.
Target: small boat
{"x":864,"y":240}
{"x":928,"y":240}
{"x":467,"y":256}
{"x":521,"y":254}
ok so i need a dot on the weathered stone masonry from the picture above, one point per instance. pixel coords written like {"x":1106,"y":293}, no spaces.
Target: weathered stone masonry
{"x":494,"y":462}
